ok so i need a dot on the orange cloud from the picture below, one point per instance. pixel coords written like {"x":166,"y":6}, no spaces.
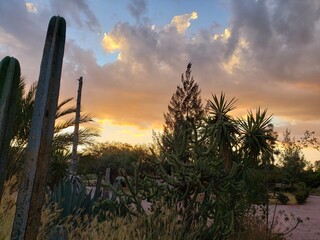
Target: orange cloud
{"x":111,"y":43}
{"x":182,"y":22}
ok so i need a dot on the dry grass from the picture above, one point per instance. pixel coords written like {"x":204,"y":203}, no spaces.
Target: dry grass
{"x":161,"y":226}
{"x":154,"y":227}
{"x":255,"y":228}
{"x":7,"y":209}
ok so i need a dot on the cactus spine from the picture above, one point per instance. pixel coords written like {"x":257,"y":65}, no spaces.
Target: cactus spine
{"x":9,"y":91}
{"x":32,"y":189}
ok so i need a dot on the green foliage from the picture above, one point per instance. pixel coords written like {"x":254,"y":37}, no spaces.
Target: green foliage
{"x":216,"y":184}
{"x":282,"y":198}
{"x":258,"y":138}
{"x":311,"y":178}
{"x":21,"y":129}
{"x":185,"y":104}
{"x":202,"y":171}
{"x":300,"y":197}
{"x":222,"y":128}
{"x":58,"y":167}
{"x":301,"y":192}
{"x":116,"y":156}
{"x":292,"y":159}
{"x":71,"y":198}
{"x":108,"y":209}
{"x":62,"y":139}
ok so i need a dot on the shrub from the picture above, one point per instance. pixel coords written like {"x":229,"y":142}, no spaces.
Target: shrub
{"x":302,"y":193}
{"x":301,"y":197}
{"x":283,"y":199}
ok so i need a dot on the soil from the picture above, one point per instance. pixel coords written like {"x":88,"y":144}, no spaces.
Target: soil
{"x":287,"y":215}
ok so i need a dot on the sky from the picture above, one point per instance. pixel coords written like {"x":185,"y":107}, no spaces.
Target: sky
{"x":131,"y":54}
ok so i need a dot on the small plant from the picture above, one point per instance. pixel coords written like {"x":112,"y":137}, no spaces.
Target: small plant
{"x":301,"y":196}
{"x":72,"y":199}
{"x":282,"y":198}
{"x":302,"y":193}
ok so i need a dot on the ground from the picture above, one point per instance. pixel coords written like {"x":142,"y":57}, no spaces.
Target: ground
{"x":309,"y":213}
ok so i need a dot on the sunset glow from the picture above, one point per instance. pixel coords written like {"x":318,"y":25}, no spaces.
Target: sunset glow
{"x":132,"y":53}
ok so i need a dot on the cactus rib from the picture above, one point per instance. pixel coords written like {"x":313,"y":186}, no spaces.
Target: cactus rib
{"x":9,"y":91}
{"x":32,"y":189}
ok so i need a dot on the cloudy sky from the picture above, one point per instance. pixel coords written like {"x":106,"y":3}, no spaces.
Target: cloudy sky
{"x":131,"y":54}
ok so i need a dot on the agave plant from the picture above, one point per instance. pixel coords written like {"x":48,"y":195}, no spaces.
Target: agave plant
{"x":72,"y":199}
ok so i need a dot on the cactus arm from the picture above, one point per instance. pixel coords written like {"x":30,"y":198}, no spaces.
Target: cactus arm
{"x":9,"y":90}
{"x":32,"y":189}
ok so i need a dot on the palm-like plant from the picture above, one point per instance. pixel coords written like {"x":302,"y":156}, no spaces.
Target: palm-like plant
{"x":256,"y":136}
{"x":62,"y":138}
{"x":24,"y":113}
{"x":222,"y":128}
{"x":58,"y":167}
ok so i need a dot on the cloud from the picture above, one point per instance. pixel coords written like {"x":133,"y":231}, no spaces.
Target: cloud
{"x":31,"y":7}
{"x":152,"y":59}
{"x":267,"y":57}
{"x":110,"y":43}
{"x":22,"y":32}
{"x":182,"y":22}
{"x":281,"y":36}
{"x":77,"y":11}
{"x":137,"y":8}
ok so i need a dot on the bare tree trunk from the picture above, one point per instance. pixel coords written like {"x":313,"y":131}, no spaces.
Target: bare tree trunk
{"x":74,"y":159}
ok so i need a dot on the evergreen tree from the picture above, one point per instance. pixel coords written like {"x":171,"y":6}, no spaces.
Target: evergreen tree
{"x":292,"y":159}
{"x":185,"y":108}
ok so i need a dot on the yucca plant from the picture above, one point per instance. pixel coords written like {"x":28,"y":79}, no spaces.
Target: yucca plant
{"x":222,"y":128}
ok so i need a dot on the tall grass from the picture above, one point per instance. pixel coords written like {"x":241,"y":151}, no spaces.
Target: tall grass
{"x":162,"y":226}
{"x":154,"y":226}
{"x":7,"y":209}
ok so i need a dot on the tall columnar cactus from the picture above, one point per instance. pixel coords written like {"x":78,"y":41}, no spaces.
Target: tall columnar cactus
{"x":9,"y":91}
{"x":31,"y":194}
{"x":74,"y":160}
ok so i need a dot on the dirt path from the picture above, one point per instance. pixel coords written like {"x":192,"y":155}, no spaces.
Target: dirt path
{"x":309,"y":213}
